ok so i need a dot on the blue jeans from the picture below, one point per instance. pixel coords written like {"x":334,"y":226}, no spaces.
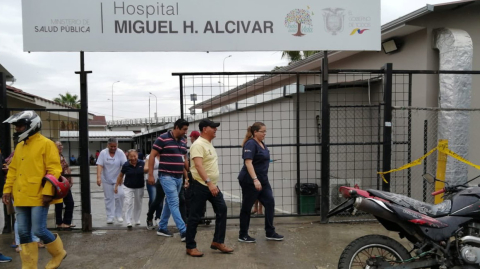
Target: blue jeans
{"x":17,"y":237}
{"x":33,"y":219}
{"x":171,"y":186}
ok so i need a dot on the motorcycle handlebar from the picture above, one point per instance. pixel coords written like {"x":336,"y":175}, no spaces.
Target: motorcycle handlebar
{"x":438,"y":192}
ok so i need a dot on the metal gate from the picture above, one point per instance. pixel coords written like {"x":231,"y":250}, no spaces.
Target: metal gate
{"x":291,"y":104}
{"x":54,"y":122}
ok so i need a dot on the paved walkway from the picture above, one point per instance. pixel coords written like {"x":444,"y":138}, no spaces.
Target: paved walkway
{"x":307,"y":244}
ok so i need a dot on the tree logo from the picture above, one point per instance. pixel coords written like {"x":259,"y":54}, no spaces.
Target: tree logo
{"x":299,"y":22}
{"x":333,"y":19}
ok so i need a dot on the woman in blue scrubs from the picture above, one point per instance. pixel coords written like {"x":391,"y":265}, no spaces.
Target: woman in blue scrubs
{"x":253,"y":179}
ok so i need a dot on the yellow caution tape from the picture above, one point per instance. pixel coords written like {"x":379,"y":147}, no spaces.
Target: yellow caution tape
{"x":442,"y":147}
{"x":458,"y":157}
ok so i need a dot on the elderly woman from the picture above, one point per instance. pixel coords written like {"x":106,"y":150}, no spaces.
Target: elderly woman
{"x":253,"y":179}
{"x":133,"y":187}
{"x":66,"y":221}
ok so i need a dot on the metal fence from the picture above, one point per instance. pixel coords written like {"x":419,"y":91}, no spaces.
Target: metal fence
{"x":290,"y":104}
{"x":372,"y":127}
{"x":424,"y":133}
{"x":54,"y":121}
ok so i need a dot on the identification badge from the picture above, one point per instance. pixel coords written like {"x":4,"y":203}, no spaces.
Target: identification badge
{"x":183,"y":158}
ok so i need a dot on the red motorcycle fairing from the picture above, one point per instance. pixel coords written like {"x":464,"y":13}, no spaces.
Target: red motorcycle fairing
{"x":416,"y":217}
{"x":347,"y":193}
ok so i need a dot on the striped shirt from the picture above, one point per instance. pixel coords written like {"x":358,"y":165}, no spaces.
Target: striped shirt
{"x":172,"y":154}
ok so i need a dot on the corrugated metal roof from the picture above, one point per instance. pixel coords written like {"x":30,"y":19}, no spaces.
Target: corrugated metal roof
{"x":97,"y":134}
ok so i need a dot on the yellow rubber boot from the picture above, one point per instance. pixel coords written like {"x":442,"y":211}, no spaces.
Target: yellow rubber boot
{"x":58,"y":253}
{"x":29,"y":255}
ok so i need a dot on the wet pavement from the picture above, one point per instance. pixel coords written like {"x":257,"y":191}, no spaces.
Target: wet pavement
{"x":308,"y":244}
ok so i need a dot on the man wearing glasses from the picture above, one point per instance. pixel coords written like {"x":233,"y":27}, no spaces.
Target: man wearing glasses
{"x":109,"y":164}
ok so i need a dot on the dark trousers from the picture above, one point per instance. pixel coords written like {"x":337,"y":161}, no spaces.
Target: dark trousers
{"x":182,"y":203}
{"x":67,"y":216}
{"x":158,"y":202}
{"x":188,"y":199}
{"x":200,"y":195}
{"x":249,"y":196}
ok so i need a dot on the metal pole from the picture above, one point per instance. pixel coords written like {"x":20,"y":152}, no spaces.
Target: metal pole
{"x":387,"y":127}
{"x":425,"y":161}
{"x":149,"y":117}
{"x":156,"y":105}
{"x":69,"y":150}
{"x":325,"y":158}
{"x":5,"y":141}
{"x":181,"y":96}
{"x":223,"y":78}
{"x":409,"y":135}
{"x":6,"y":144}
{"x":298,"y":145}
{"x":83,"y":134}
{"x":379,"y":145}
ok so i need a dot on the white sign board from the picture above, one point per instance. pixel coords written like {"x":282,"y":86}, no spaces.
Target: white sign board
{"x":193,"y":25}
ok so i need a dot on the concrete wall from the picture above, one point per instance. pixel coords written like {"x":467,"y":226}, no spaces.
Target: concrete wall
{"x":467,"y":19}
{"x":348,"y":125}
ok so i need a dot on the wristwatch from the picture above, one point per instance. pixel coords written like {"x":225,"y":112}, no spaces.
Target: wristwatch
{"x":208,"y":180}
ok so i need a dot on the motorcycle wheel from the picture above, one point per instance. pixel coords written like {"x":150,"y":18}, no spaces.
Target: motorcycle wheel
{"x":359,"y":251}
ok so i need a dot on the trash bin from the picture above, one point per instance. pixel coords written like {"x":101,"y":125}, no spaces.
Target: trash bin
{"x":308,"y":197}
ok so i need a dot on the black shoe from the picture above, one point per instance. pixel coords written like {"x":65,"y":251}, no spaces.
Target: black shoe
{"x":246,"y":239}
{"x":150,"y":225}
{"x":275,"y":237}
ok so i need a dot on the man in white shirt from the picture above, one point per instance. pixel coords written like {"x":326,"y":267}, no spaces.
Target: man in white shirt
{"x":109,"y":164}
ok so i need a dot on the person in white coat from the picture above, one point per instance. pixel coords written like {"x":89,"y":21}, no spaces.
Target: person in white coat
{"x":109,"y":164}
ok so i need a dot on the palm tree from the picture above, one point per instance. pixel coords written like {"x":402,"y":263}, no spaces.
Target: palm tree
{"x":68,"y":99}
{"x":294,"y":56}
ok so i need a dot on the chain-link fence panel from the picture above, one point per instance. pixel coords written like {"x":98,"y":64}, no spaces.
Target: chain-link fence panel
{"x":425,"y":124}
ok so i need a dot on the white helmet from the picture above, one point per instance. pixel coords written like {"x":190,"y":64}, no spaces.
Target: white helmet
{"x":32,"y":123}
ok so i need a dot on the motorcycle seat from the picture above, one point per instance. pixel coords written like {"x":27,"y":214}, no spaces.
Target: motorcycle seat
{"x":430,"y":210}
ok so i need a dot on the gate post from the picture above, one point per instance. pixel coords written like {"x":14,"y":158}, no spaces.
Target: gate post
{"x":325,"y":158}
{"x":387,"y":125}
{"x":298,"y":145}
{"x":83,"y":136}
{"x":5,"y":141}
{"x":181,"y":96}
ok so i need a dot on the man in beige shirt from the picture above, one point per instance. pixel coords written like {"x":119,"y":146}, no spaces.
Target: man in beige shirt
{"x":205,"y":174}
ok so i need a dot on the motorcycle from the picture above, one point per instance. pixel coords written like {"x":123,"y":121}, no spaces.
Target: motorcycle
{"x":446,"y":235}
